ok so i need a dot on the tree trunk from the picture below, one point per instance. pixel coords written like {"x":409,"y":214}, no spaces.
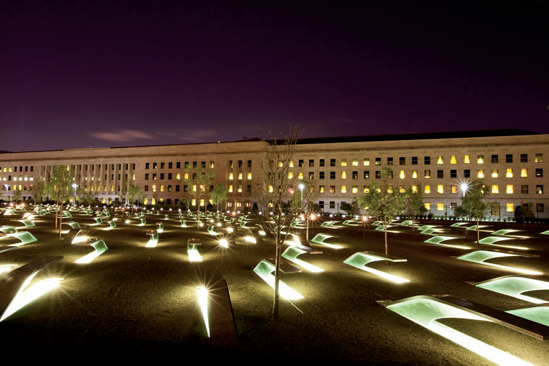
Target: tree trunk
{"x":386,"y":242}
{"x":276,"y":299}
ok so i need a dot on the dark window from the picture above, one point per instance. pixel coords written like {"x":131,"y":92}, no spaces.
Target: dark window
{"x":523,"y":158}
{"x":402,"y":160}
{"x":453,"y":173}
{"x":427,"y":160}
{"x":494,"y":159}
{"x":539,"y":172}
{"x":414,"y":160}
{"x":440,"y":174}
{"x":509,"y":158}
{"x":467,"y":173}
{"x":366,"y":174}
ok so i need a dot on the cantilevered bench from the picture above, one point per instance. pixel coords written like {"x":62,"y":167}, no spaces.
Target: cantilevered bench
{"x":16,"y":280}
{"x":522,"y":325}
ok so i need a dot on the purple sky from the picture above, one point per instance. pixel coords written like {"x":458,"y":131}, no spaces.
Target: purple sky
{"x":75,"y":76}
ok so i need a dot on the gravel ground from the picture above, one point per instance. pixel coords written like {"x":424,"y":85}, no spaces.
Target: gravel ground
{"x":139,"y":304}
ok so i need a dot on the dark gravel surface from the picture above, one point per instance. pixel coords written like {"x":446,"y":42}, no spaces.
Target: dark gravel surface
{"x":139,"y":304}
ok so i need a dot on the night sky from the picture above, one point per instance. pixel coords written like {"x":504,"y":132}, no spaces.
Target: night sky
{"x":81,"y":74}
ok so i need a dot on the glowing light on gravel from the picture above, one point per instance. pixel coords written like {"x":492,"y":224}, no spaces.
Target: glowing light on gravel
{"x":25,"y":297}
{"x":203,"y":302}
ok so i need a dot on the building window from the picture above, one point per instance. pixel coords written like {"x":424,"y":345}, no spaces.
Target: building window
{"x":440,"y":206}
{"x":402,"y":160}
{"x":440,"y":189}
{"x":427,"y":173}
{"x":311,"y":163}
{"x":332,"y":189}
{"x":320,"y":175}
{"x":540,"y":207}
{"x":402,"y":175}
{"x":321,"y":162}
{"x":389,"y":161}
{"x":538,"y":158}
{"x":440,"y":160}
{"x":366,"y":161}
{"x":366,"y":174}
{"x":332,"y":204}
{"x":332,"y":162}
{"x":480,"y":173}
{"x":378,"y":174}
{"x":344,"y":175}
{"x":427,"y":189}
{"x":510,"y":207}
{"x":378,"y":161}
{"x":343,"y":189}
{"x":466,"y":159}
{"x":414,"y":174}
{"x":480,"y":159}
{"x":494,"y":159}
{"x":495,"y":189}
{"x":509,"y":173}
{"x":440,"y":173}
{"x":524,"y":189}
{"x":524,"y":173}
{"x":414,"y":160}
{"x":523,"y":158}
{"x":495,"y":173}
{"x":539,"y":172}
{"x":355,"y":174}
{"x":453,"y":173}
{"x":332,"y":175}
{"x":427,"y":160}
{"x":453,"y":160}
{"x":539,"y":189}
{"x":508,"y":158}
{"x":343,"y":162}
{"x":301,"y":163}
{"x":321,"y":189}
{"x":509,"y":189}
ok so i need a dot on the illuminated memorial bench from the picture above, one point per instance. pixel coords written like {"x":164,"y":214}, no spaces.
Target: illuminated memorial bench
{"x":482,"y":256}
{"x":515,"y":286}
{"x":112,"y":224}
{"x":217,"y":311}
{"x":192,"y":249}
{"x":99,"y":247}
{"x":27,"y":223}
{"x":321,"y":238}
{"x":153,"y":240}
{"x":14,"y":290}
{"x":265,"y":269}
{"x":211,"y":230}
{"x":72,"y":224}
{"x":428,"y":310}
{"x":439,"y":239}
{"x":293,"y":251}
{"x":160,"y":227}
{"x":327,"y":224}
{"x":361,"y":260}
{"x":24,"y":237}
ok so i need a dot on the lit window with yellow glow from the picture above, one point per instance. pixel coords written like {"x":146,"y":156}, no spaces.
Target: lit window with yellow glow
{"x":290,"y":175}
{"x":321,"y":189}
{"x":537,"y":159}
{"x":366,"y":162}
{"x":466,"y":159}
{"x":414,"y":189}
{"x":194,"y":187}
{"x":355,"y":189}
{"x":440,"y":206}
{"x":280,"y":164}
{"x":427,"y":205}
{"x":239,"y":176}
{"x":440,"y":189}
{"x":480,"y":173}
{"x":154,"y":187}
{"x":509,"y":173}
{"x":343,"y":162}
{"x":495,"y":189}
{"x":187,"y":176}
{"x":202,"y":202}
{"x":414,"y":174}
{"x":524,"y":173}
{"x":440,"y":160}
{"x":495,"y":173}
{"x":453,"y":160}
{"x":510,"y":207}
{"x":355,"y":162}
{"x":344,"y":175}
{"x":240,"y":188}
{"x":249,"y":176}
{"x":509,"y":189}
{"x":270,"y":189}
{"x":402,"y":175}
{"x":300,"y":176}
{"x":453,"y":188}
{"x":480,"y":159}
{"x":231,"y":188}
{"x":366,"y":189}
{"x":193,"y":202}
{"x":343,"y":189}
{"x":427,"y":189}
{"x":291,"y":163}
{"x":162,"y":188}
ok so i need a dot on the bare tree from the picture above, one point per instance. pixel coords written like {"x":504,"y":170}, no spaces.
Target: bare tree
{"x":199,"y":180}
{"x":275,"y":194}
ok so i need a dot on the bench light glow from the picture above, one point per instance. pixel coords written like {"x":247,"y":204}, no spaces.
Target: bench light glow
{"x":203,"y":302}
{"x":426,"y":312}
{"x":25,"y":296}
